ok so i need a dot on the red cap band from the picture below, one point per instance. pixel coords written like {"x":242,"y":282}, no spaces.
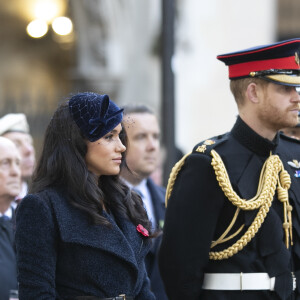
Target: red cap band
{"x":244,"y":69}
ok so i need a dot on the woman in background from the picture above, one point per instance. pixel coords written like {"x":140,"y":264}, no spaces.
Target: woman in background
{"x":81,"y":233}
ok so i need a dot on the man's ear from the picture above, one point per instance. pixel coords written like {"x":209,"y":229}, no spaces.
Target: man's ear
{"x":252,"y":92}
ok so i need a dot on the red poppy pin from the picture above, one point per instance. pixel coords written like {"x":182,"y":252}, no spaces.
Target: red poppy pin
{"x":141,"y":229}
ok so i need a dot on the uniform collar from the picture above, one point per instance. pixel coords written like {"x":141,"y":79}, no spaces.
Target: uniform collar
{"x":251,"y":140}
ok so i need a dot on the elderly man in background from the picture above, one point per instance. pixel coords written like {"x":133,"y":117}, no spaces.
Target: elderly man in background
{"x":10,"y":186}
{"x":142,"y":158}
{"x":16,"y":128}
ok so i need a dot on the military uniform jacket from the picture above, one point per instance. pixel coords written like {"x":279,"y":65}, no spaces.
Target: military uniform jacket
{"x":198,"y":213}
{"x":62,"y":255}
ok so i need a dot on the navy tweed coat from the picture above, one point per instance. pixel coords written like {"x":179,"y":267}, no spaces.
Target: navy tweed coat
{"x":61,"y":255}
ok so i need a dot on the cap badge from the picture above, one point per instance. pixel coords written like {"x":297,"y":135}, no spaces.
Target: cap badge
{"x":295,"y":164}
{"x":297,"y":60}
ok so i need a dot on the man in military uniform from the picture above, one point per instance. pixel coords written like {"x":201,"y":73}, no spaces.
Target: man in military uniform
{"x":232,"y":227}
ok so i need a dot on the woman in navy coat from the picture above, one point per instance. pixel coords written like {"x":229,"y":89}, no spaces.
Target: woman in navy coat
{"x":81,"y":233}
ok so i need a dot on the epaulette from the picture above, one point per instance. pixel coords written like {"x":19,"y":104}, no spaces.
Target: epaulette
{"x":206,"y":146}
{"x":203,"y":147}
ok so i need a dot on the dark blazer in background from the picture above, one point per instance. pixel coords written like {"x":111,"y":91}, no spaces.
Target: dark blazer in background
{"x":8,"y":268}
{"x":61,"y":255}
{"x":158,"y":199}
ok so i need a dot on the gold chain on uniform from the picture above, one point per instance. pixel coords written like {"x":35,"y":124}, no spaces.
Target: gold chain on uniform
{"x":272,"y":176}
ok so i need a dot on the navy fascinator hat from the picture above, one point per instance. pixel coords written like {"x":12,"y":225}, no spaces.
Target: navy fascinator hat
{"x":94,"y":114}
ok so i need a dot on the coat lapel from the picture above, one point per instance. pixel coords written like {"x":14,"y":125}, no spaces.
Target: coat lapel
{"x":75,"y":227}
{"x":139,"y":244}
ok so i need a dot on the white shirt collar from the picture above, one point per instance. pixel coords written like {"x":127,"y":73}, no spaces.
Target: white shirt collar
{"x":7,"y":213}
{"x":146,"y":197}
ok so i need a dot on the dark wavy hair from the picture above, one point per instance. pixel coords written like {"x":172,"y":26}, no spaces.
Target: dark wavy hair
{"x":62,"y":165}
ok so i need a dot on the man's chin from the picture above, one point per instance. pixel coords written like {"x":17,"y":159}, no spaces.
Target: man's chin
{"x":146,"y":174}
{"x":14,"y":194}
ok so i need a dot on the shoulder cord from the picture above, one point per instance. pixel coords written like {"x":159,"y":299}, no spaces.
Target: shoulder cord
{"x":173,"y":175}
{"x":223,"y":238}
{"x":272,"y":174}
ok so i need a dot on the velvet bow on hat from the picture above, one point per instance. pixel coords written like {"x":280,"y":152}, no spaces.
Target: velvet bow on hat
{"x":94,"y":114}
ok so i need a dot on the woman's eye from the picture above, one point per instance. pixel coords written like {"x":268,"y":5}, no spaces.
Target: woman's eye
{"x":108,"y":137}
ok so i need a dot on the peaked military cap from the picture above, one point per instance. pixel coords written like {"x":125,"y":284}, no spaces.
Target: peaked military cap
{"x":278,"y":63}
{"x":13,"y":123}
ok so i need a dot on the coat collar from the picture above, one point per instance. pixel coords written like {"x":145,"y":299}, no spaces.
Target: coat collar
{"x":121,"y":239}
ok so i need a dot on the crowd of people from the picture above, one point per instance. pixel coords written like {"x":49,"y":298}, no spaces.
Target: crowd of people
{"x":80,"y":228}
{"x":17,"y":161}
{"x":87,"y":221}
